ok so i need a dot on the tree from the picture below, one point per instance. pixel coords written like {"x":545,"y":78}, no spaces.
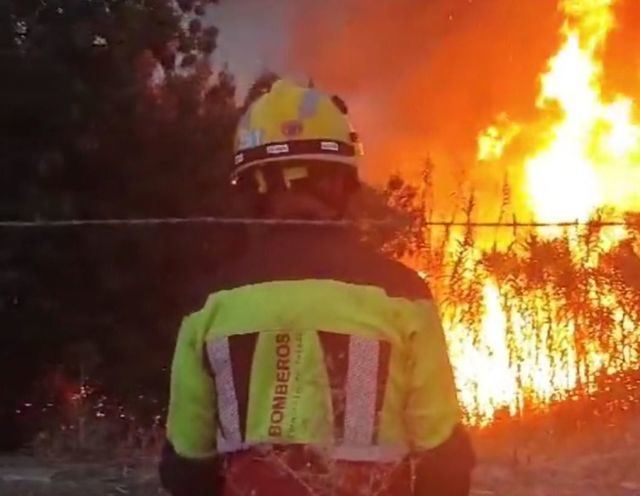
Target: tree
{"x":108,"y":108}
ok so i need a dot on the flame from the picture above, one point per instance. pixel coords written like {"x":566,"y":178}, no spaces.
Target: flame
{"x":592,"y":155}
{"x":528,"y":349}
{"x":493,"y":142}
{"x":529,"y":353}
{"x":485,"y":377}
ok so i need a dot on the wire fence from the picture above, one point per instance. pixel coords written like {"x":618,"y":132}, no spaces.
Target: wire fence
{"x":125,"y":222}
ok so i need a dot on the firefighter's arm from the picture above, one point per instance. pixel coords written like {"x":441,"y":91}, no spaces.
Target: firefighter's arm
{"x":441,"y":446}
{"x":188,"y":464}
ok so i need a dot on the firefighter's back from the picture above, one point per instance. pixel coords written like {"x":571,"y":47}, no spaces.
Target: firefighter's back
{"x":310,"y":345}
{"x":316,"y":366}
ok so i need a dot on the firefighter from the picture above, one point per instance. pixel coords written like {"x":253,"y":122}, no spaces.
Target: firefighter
{"x":317,"y":366}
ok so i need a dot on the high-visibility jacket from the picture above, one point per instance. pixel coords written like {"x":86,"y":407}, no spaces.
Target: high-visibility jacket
{"x":313,"y":338}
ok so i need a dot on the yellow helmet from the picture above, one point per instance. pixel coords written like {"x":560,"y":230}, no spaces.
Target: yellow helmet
{"x":292,"y":124}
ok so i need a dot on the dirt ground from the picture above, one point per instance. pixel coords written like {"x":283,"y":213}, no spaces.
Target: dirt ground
{"x":599,"y":459}
{"x":512,"y":462}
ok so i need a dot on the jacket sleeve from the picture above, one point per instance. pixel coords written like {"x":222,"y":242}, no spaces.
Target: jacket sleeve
{"x":446,"y":469}
{"x":191,"y":421}
{"x":187,"y":477}
{"x":189,"y":459}
{"x":442,"y":449}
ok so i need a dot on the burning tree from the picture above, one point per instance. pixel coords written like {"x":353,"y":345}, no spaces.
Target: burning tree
{"x":546,"y":312}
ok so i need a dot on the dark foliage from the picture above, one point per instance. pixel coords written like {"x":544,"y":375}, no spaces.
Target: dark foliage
{"x":108,"y":108}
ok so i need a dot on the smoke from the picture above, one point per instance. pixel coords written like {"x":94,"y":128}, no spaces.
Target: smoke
{"x":423,"y":78}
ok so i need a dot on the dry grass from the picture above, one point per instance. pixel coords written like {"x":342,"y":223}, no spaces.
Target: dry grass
{"x":88,"y":431}
{"x":568,"y":305}
{"x":578,"y":441}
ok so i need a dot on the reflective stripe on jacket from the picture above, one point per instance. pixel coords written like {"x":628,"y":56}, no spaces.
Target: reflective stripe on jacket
{"x":313,"y":338}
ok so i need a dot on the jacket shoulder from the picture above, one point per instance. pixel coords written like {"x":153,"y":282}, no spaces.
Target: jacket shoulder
{"x":330,"y":257}
{"x":399,"y":280}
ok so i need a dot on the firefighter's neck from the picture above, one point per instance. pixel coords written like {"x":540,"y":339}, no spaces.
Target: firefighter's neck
{"x":292,"y":205}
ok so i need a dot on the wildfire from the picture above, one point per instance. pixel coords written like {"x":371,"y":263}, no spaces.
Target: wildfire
{"x":494,"y":140}
{"x":593,"y":155}
{"x":529,"y":349}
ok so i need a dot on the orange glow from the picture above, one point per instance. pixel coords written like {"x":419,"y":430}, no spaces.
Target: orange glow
{"x":527,"y":355}
{"x":485,"y":375}
{"x":529,"y":348}
{"x":495,"y":139}
{"x":590,"y":157}
{"x":570,"y":151}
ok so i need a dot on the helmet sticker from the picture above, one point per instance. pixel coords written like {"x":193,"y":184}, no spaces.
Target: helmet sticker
{"x":250,"y":138}
{"x":291,"y":129}
{"x":309,"y":104}
{"x":331,"y":146}
{"x":278,"y":149}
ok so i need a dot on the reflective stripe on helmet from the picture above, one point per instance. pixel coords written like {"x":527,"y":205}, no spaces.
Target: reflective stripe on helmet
{"x":292,"y":122}
{"x":294,"y":149}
